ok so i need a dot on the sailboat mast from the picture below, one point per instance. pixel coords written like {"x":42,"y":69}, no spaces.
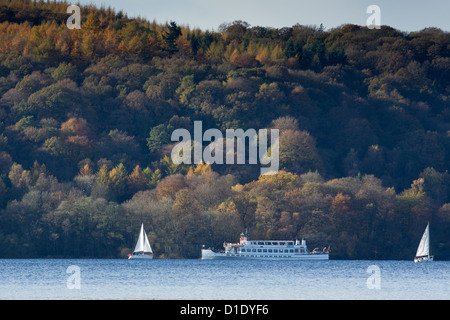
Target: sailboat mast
{"x":428,"y":237}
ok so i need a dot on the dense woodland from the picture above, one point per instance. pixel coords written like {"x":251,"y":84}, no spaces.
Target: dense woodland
{"x":86,"y":118}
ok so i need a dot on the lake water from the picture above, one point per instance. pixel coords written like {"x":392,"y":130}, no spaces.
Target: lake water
{"x":222,"y":280}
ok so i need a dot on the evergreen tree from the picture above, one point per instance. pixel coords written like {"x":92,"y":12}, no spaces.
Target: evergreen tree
{"x":171,"y":36}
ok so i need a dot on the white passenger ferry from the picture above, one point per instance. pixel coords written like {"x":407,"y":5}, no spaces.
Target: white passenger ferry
{"x":266,"y":249}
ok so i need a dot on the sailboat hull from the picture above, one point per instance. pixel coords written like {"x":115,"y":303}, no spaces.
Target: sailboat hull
{"x":140,"y":257}
{"x":423,"y":259}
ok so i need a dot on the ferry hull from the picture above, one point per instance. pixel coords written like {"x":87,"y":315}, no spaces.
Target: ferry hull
{"x":208,"y":254}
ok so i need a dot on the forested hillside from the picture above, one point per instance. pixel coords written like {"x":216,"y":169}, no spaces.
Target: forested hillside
{"x":86,"y":118}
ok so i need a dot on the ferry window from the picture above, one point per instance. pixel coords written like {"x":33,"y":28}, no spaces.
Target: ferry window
{"x":264,"y":250}
{"x":286,"y":250}
{"x":291,"y":251}
{"x":275,"y":250}
{"x":259,"y":250}
{"x":253,"y":250}
{"x":261,"y":243}
{"x":290,"y":243}
{"x":282,"y":243}
{"x":270,"y":250}
{"x":296,"y":250}
{"x":302,"y":250}
{"x":275,"y":243}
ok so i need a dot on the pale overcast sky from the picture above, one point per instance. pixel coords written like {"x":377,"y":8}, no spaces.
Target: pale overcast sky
{"x":405,"y":15}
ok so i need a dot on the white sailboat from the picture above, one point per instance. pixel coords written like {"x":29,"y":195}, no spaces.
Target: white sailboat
{"x":423,"y":251}
{"x":143,"y":249}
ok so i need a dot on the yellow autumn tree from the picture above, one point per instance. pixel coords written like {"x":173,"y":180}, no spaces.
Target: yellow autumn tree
{"x":102,"y":175}
{"x":276,"y":54}
{"x":199,"y":170}
{"x":263,"y":55}
{"x":117,"y":179}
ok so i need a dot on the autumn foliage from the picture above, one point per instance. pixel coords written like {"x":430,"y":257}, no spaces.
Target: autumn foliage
{"x":86,"y":118}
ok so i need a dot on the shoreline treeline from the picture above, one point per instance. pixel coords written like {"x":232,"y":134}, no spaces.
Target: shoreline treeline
{"x":86,"y":117}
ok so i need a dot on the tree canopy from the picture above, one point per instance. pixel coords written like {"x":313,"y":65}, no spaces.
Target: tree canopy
{"x":86,"y":118}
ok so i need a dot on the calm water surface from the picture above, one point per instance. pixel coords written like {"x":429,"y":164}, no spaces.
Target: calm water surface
{"x":230,"y":280}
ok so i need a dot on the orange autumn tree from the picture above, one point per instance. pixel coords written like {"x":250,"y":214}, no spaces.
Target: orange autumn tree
{"x":136,"y":180}
{"x":86,"y":170}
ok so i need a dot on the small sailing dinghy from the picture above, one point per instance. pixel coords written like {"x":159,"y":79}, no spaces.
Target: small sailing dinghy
{"x":143,"y":249}
{"x":423,"y":251}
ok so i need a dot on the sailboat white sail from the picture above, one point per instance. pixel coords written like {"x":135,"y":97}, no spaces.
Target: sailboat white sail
{"x":143,"y":250}
{"x":423,"y":251}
